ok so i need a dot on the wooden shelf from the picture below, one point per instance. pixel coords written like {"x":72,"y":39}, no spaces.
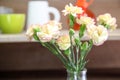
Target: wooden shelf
{"x":6,"y":38}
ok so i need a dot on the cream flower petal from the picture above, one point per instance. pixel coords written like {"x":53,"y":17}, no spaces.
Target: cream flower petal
{"x":74,"y":10}
{"x":85,"y":20}
{"x":49,"y":31}
{"x":63,"y":42}
{"x":107,"y":19}
{"x":98,"y":34}
{"x":30,"y":30}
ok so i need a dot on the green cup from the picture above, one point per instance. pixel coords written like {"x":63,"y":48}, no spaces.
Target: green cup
{"x":12,"y":23}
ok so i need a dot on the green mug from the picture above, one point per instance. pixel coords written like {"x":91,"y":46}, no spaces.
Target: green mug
{"x":12,"y":23}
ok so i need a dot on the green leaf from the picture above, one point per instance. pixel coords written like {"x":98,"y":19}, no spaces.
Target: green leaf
{"x":71,"y":23}
{"x":67,"y":52}
{"x":82,"y":30}
{"x":77,"y":41}
{"x":90,"y":43}
{"x":35,"y":37}
{"x":35,"y":33}
{"x":71,"y":20}
{"x":52,"y":41}
{"x":107,"y":26}
{"x":37,"y":30}
{"x":71,"y":32}
{"x":84,"y":46}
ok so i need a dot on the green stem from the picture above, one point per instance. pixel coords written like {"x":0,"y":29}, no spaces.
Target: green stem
{"x":60,"y":53}
{"x":81,"y":60}
{"x":72,"y":50}
{"x":72,"y":64}
{"x":77,"y":56}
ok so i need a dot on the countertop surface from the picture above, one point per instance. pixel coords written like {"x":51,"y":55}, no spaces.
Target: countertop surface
{"x":115,"y":35}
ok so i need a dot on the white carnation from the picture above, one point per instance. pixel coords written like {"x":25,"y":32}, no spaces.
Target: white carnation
{"x":98,"y":34}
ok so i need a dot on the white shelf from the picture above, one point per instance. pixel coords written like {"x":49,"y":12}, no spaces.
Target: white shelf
{"x":12,"y":38}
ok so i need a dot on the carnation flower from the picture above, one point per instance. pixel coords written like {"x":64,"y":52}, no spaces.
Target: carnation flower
{"x":98,"y":34}
{"x":30,"y":30}
{"x":49,"y":31}
{"x":85,"y":20}
{"x":107,"y":20}
{"x":44,"y":37}
{"x":63,"y":42}
{"x":74,"y":10}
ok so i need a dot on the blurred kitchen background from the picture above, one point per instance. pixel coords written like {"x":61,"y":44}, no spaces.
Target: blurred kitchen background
{"x":97,"y":7}
{"x":31,"y":61}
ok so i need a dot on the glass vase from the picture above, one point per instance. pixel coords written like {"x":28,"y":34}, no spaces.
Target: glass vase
{"x":77,"y":76}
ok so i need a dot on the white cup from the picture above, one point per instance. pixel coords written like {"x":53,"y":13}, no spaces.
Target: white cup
{"x":39,"y":12}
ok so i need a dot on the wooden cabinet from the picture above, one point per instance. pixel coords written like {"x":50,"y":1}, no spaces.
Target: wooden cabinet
{"x":29,"y":60}
{"x":33,"y":56}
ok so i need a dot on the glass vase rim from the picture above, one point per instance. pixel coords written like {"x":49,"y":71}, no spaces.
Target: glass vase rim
{"x":82,"y":71}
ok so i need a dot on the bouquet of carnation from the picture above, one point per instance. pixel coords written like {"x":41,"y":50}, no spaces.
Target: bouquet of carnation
{"x":71,"y":48}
